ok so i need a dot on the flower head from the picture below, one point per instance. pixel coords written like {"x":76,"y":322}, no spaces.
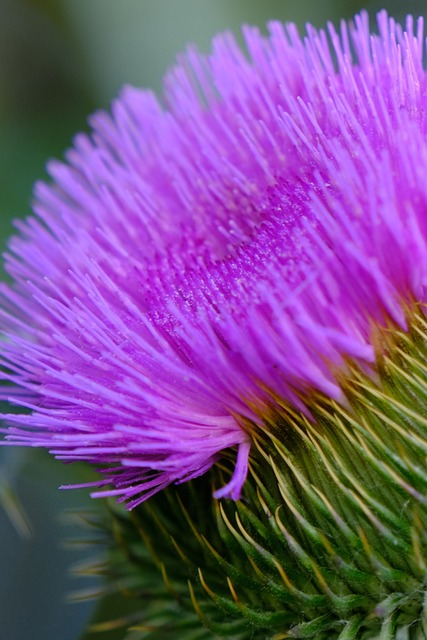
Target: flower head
{"x":197,"y":262}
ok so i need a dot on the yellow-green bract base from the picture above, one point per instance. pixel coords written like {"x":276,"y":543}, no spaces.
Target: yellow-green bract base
{"x":329,"y":541}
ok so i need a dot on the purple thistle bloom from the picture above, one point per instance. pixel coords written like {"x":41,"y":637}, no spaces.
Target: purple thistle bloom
{"x":195,"y":263}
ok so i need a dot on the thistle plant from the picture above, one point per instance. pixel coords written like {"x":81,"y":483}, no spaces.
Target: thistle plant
{"x":219,"y":303}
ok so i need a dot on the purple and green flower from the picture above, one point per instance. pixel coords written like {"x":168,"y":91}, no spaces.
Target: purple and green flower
{"x":226,"y":290}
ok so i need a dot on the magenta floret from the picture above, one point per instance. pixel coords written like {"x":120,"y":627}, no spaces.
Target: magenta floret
{"x":192,"y":261}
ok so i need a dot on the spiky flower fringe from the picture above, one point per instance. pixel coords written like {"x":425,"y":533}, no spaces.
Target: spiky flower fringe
{"x":329,"y":541}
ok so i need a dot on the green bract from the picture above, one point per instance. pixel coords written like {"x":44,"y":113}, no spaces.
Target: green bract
{"x":329,"y":540}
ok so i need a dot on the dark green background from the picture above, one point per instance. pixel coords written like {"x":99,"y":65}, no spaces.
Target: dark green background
{"x":60,"y":60}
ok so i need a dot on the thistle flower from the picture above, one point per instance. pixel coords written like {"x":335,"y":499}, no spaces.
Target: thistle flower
{"x":243,"y":268}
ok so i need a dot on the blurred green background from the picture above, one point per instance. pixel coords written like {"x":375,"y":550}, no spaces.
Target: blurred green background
{"x":59,"y":61}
